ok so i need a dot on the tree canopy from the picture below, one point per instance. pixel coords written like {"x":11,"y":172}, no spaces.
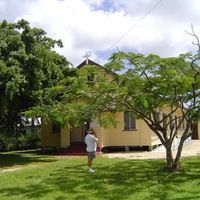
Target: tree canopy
{"x":28,"y":65}
{"x":150,"y":86}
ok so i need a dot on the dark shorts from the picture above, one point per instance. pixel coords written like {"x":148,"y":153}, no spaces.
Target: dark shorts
{"x":91,"y":155}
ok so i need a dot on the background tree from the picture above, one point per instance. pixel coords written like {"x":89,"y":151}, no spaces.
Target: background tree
{"x":28,"y":65}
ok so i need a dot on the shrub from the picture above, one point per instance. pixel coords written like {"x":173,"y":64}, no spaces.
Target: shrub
{"x":3,"y":139}
{"x":34,"y":139}
{"x":21,"y":141}
{"x":7,"y":143}
{"x":29,"y":141}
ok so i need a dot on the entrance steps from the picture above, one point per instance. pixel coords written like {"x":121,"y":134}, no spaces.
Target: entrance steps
{"x":75,"y":149}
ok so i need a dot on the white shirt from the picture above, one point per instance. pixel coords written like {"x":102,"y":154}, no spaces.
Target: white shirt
{"x":91,"y":142}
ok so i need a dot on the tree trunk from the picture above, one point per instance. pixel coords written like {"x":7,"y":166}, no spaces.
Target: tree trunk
{"x":169,"y":158}
{"x":178,"y":155}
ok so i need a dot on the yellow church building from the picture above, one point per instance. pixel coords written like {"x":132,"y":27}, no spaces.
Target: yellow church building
{"x":129,"y":132}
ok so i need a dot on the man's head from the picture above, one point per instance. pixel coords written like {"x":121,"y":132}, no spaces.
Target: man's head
{"x":91,"y":131}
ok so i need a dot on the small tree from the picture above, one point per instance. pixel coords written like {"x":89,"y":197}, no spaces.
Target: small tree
{"x":151,"y":85}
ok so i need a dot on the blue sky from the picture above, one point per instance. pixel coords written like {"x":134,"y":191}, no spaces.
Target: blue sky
{"x":104,"y":26}
{"x":106,"y":5}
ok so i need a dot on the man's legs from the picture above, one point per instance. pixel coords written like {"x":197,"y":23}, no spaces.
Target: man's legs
{"x":90,"y":159}
{"x":89,"y":162}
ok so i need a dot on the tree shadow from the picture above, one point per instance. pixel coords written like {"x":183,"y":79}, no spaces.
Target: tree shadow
{"x":117,"y":179}
{"x":10,"y":159}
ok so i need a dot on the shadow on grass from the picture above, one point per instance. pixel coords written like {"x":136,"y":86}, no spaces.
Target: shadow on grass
{"x":10,"y":159}
{"x":115,"y":180}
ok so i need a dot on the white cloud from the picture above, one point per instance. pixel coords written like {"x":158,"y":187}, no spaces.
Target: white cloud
{"x":93,"y":25}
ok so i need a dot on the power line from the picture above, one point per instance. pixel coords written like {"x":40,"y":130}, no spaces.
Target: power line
{"x":131,"y":28}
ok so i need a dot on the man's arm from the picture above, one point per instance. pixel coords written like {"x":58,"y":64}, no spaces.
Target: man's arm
{"x":95,"y":137}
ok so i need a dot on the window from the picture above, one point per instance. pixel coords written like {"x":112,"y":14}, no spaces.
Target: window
{"x":56,"y":128}
{"x":91,"y":77}
{"x":129,"y":121}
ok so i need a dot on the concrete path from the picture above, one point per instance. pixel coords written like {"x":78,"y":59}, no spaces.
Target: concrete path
{"x":11,"y":170}
{"x":191,"y":148}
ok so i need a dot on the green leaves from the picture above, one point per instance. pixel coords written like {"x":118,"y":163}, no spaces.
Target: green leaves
{"x":28,"y":65}
{"x":151,"y":82}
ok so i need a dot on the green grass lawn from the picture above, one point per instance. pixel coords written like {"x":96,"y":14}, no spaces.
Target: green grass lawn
{"x":66,"y":178}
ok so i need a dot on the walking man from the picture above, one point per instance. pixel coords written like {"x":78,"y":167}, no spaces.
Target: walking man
{"x":91,"y":142}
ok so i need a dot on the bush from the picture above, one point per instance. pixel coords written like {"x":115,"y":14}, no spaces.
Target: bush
{"x":34,"y":139}
{"x":29,"y":141}
{"x":7,"y":143}
{"x":3,"y":139}
{"x":21,"y":141}
{"x":11,"y":143}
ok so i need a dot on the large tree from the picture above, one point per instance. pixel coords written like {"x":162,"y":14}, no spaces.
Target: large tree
{"x":28,"y":65}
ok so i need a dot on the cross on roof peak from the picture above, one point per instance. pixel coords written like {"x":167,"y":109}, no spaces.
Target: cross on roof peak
{"x":86,"y":56}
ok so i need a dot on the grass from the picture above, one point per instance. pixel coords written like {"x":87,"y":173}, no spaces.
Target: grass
{"x":44,"y":177}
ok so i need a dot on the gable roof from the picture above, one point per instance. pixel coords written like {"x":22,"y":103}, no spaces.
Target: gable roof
{"x":90,"y":62}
